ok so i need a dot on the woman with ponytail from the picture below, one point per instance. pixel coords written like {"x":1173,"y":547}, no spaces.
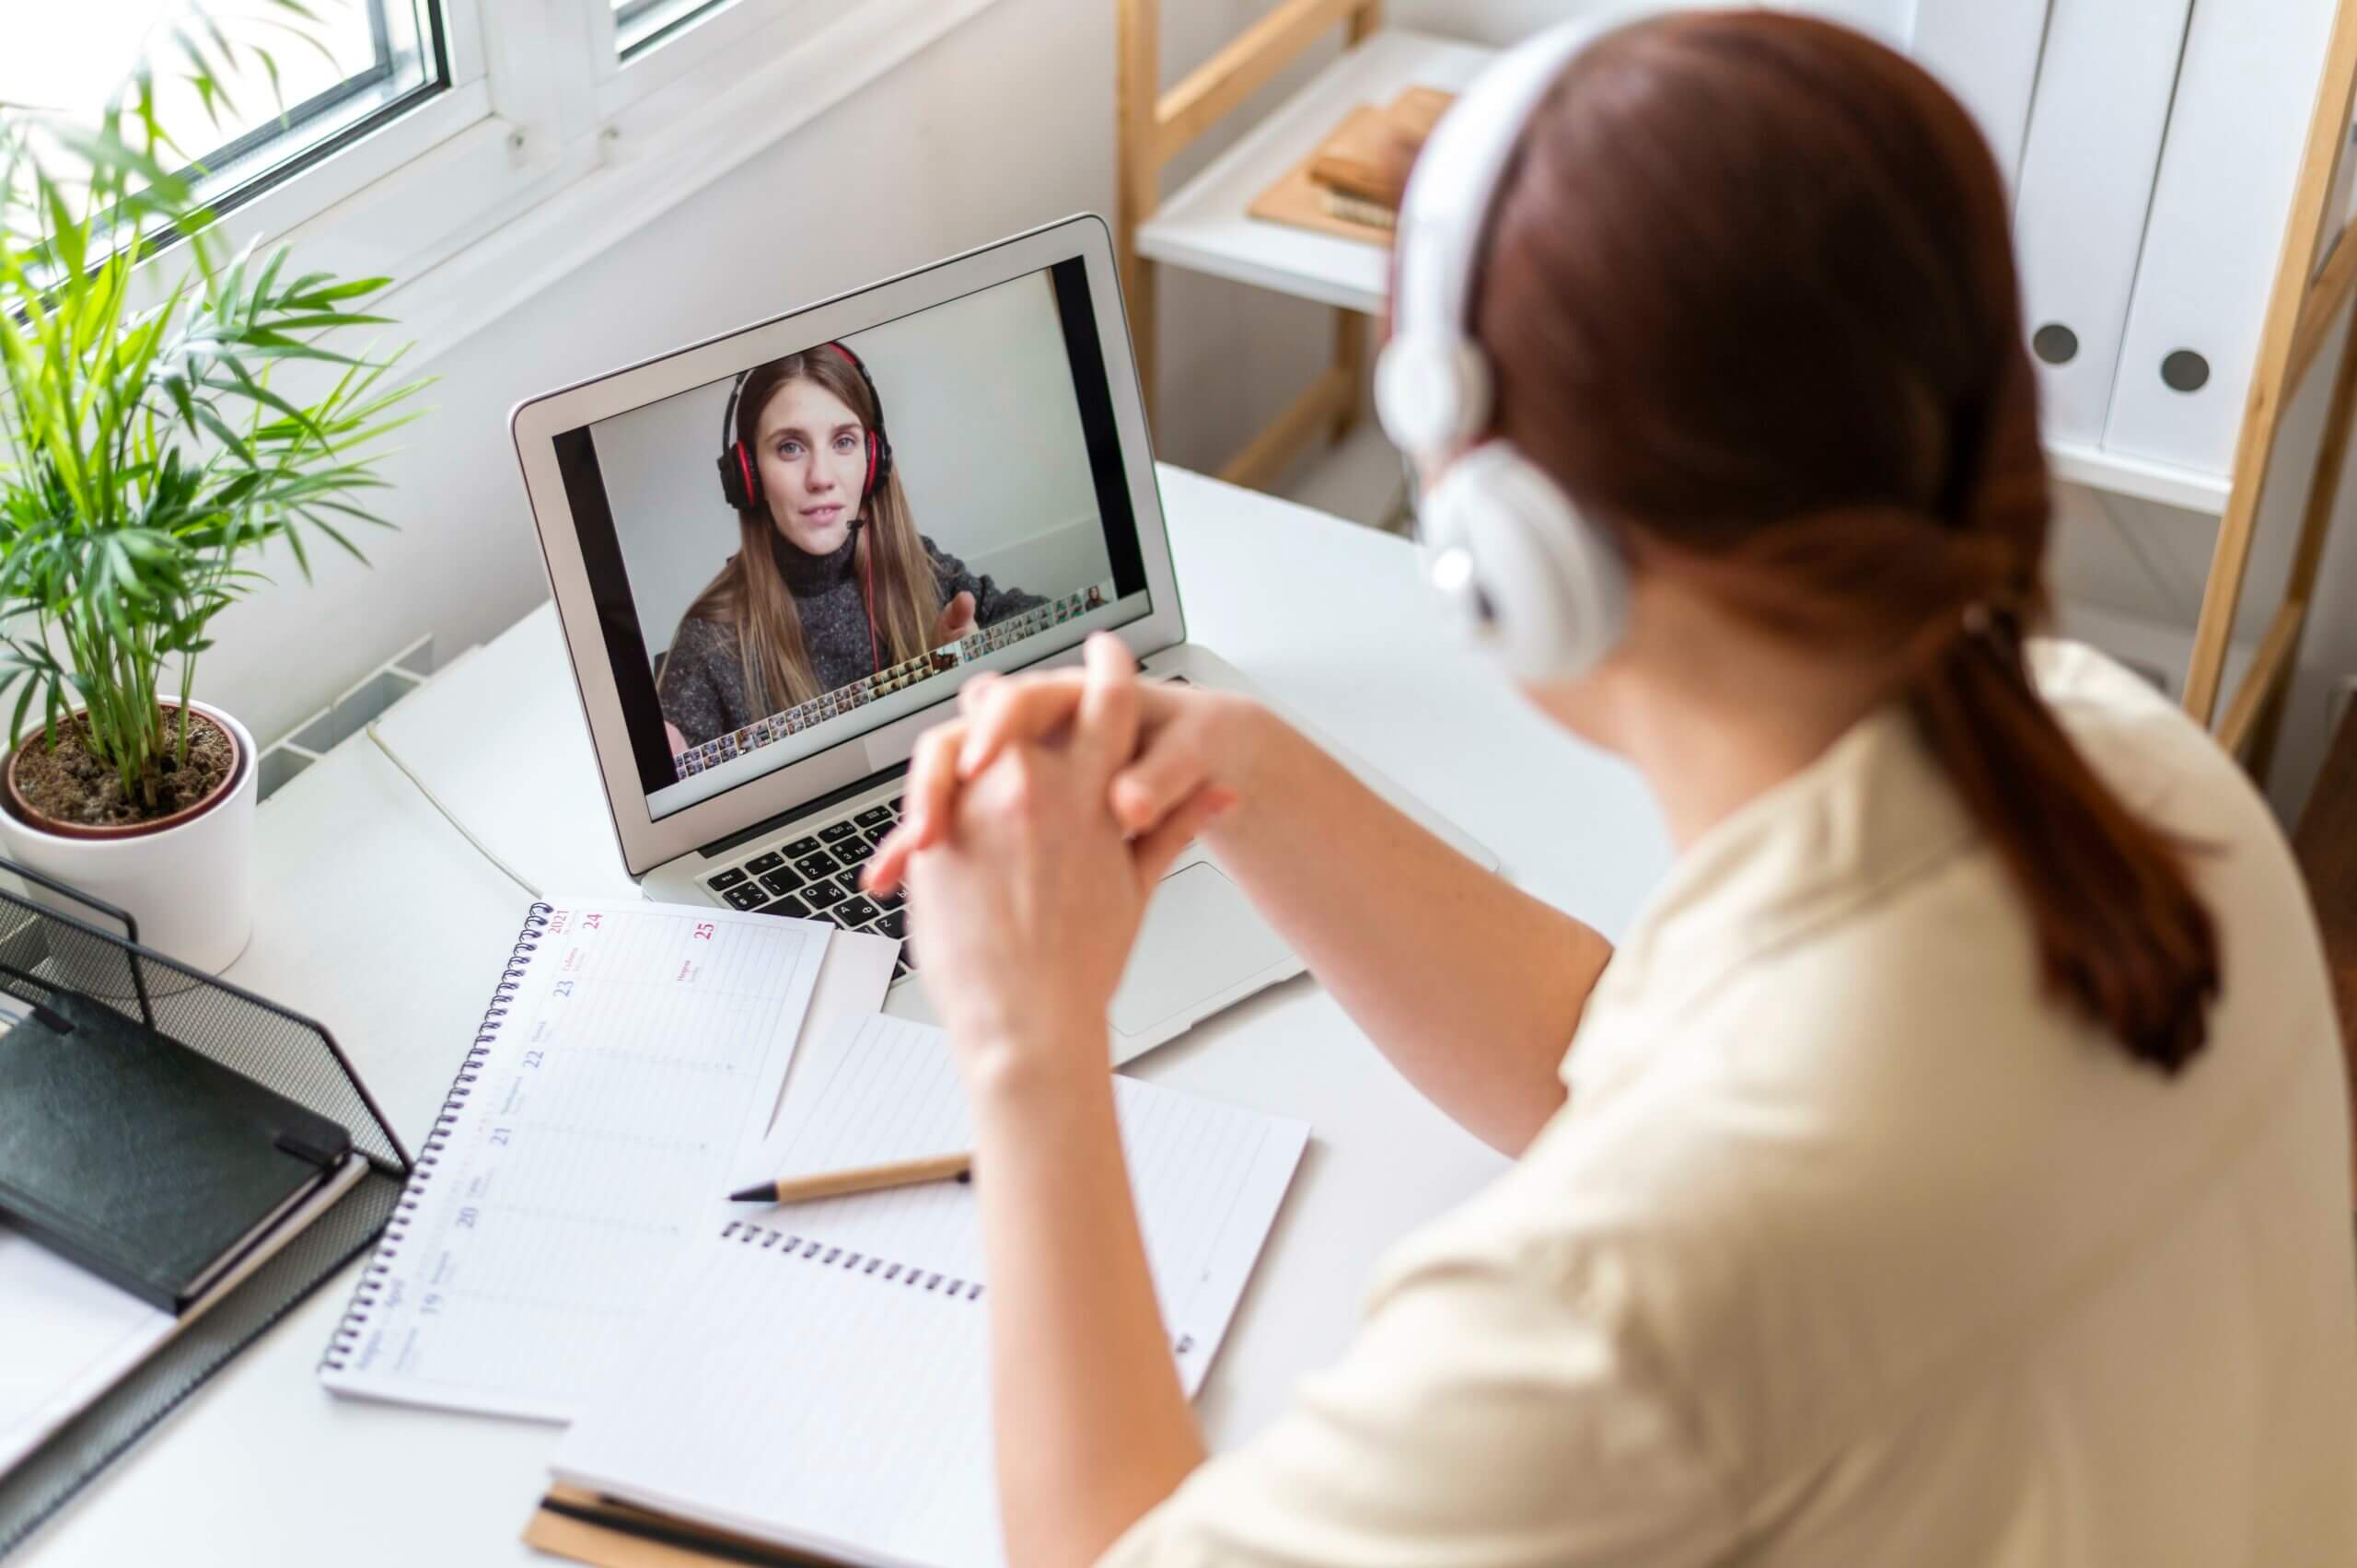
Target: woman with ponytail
{"x":1948,"y":1167}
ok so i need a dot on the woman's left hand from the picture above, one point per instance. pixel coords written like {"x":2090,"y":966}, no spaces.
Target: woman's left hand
{"x":1027,"y":913}
{"x":956,"y":622}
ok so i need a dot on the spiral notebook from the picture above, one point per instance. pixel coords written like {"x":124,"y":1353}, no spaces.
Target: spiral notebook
{"x":632,"y":1053}
{"x":819,"y":1380}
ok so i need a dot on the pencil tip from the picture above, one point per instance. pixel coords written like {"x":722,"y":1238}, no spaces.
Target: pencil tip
{"x":764,"y":1193}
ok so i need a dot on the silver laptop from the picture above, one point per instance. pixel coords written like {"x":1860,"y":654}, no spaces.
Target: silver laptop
{"x":777,"y":554}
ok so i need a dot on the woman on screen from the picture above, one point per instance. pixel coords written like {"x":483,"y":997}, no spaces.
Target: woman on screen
{"x":832,"y":580}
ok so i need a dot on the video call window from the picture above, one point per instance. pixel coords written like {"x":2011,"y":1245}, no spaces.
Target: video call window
{"x":816,"y":546}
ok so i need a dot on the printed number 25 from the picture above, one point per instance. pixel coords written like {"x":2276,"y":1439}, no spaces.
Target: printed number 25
{"x":703,"y":931}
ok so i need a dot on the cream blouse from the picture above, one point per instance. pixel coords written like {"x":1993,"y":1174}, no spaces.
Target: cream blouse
{"x":1852,"y":1247}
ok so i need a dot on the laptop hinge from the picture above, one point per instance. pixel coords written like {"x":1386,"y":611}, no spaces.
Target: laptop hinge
{"x":768,"y":825}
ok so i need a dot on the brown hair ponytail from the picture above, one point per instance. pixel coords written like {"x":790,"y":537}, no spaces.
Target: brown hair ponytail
{"x":1751,"y":295}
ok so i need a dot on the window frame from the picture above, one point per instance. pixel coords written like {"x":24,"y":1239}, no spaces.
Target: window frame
{"x":544,"y":147}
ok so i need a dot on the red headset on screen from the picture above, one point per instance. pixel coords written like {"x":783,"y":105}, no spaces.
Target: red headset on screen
{"x":740,"y":479}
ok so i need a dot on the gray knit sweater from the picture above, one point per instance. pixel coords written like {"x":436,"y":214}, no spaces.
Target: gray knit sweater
{"x":702,"y":686}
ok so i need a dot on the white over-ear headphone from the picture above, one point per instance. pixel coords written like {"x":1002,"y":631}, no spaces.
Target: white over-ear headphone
{"x":1539,"y":585}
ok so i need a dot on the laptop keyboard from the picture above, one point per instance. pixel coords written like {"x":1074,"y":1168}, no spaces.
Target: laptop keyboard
{"x":817,"y":878}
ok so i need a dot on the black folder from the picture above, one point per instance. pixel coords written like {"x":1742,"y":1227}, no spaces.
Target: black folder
{"x":146,"y":1163}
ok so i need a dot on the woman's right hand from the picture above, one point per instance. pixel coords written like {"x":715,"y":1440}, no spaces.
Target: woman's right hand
{"x":1197,"y":752}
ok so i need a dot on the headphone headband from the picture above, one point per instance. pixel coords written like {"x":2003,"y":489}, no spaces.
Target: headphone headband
{"x":1433,"y":390}
{"x":740,"y":479}
{"x":1537,"y":585}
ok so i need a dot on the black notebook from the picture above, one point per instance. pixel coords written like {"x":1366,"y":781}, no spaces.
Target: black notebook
{"x":147,"y":1163}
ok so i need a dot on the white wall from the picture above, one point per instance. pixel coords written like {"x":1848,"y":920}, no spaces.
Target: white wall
{"x":986,"y":437}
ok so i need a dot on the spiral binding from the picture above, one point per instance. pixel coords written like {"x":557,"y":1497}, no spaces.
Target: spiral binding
{"x":828,"y":1256}
{"x":429,"y":1154}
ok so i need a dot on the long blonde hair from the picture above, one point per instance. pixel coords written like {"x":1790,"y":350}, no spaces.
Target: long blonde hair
{"x":749,"y":595}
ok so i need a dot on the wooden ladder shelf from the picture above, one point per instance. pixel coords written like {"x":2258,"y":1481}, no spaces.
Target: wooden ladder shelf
{"x":1156,"y":126}
{"x":2313,"y":281}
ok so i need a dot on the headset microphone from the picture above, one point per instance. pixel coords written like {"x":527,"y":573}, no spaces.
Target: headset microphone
{"x":1536,"y":584}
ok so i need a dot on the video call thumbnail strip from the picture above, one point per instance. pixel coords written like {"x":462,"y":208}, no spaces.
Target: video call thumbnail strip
{"x":899,"y":677}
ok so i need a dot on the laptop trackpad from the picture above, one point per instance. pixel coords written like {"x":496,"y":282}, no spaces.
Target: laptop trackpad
{"x":1201,"y":936}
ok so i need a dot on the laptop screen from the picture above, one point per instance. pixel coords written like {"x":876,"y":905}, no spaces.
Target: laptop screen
{"x":790,"y":557}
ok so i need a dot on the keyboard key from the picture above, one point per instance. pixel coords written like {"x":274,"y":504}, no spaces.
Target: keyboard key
{"x":876,"y":834}
{"x":899,"y":969}
{"x":854,"y":849}
{"x":790,"y":907}
{"x":896,"y":804}
{"x":800,"y":848}
{"x":761,"y":863}
{"x":746,"y":897}
{"x":818,"y":865}
{"x":834,"y":831}
{"x":836,"y":914}
{"x":721,"y":881}
{"x":854,"y":911}
{"x":821,"y":893}
{"x":781,"y":882}
{"x":873,"y":816}
{"x":890,"y":900}
{"x":893,"y":924}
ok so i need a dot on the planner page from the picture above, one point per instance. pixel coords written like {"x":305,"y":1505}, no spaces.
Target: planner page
{"x":819,"y":1376}
{"x":631,"y":1054}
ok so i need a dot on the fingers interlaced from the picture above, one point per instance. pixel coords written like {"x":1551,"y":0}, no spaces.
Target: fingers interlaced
{"x":1107,"y":734}
{"x":1029,"y":708}
{"x":924,"y":806}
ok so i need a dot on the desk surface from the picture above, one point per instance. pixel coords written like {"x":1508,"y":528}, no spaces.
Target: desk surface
{"x":376,"y":915}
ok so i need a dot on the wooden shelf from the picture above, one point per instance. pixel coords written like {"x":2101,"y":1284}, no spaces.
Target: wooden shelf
{"x":1203,"y":229}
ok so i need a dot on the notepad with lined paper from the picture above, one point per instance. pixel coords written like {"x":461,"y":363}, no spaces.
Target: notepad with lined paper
{"x":820,"y":1378}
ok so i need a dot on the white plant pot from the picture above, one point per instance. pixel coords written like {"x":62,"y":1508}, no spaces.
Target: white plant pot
{"x":190,"y":886}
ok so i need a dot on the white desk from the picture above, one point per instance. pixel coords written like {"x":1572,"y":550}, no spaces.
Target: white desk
{"x":375,"y":915}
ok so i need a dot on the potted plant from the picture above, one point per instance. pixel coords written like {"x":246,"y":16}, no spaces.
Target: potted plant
{"x":166,"y":414}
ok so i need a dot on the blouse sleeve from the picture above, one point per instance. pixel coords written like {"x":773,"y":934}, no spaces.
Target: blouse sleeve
{"x":1489,"y":1416}
{"x":992,"y":603}
{"x":690,"y":698}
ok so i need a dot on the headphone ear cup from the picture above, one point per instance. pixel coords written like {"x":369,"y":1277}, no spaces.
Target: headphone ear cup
{"x":1543,"y":589}
{"x":1431,"y":393}
{"x":740,"y":479}
{"x":875,"y":457}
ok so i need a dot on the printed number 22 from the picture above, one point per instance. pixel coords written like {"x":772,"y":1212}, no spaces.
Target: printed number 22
{"x":564,"y":988}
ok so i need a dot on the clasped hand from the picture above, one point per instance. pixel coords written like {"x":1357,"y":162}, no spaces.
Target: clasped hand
{"x":1032,"y":832}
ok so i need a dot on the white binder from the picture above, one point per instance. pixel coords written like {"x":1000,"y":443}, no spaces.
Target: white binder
{"x":2086,"y":184}
{"x":2228,"y":166}
{"x":1986,"y":52}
